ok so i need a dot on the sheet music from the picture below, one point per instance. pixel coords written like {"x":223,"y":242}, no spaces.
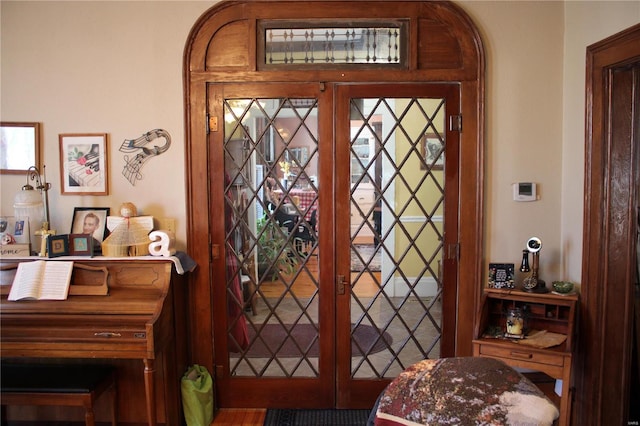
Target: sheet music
{"x":42,"y":280}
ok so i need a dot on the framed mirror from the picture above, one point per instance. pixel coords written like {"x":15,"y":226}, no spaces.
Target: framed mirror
{"x":19,"y":147}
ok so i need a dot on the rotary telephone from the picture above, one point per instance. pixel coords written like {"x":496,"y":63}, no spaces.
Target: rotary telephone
{"x":532,"y":283}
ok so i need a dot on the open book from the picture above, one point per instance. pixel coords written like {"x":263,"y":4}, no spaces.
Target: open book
{"x":42,"y":280}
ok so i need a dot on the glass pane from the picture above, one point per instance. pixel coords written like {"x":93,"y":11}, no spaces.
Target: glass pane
{"x":271,"y":164}
{"x":397,"y":195}
{"x":334,"y":45}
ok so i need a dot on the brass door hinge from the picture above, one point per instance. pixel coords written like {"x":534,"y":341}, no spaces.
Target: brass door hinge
{"x":212,"y":124}
{"x":215,"y":251}
{"x":453,"y":252}
{"x":455,"y":123}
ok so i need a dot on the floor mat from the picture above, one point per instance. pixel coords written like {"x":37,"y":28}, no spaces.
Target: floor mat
{"x":290,"y":417}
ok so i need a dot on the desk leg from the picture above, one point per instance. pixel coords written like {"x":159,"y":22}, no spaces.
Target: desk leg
{"x":566,"y":398}
{"x":150,"y":391}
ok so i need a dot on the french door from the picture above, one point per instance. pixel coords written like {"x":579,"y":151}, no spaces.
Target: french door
{"x":334,"y":263}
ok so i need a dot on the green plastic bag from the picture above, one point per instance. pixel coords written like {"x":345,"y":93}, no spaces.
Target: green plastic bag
{"x":197,"y":396}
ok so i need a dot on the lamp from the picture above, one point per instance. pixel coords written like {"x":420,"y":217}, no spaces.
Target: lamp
{"x":33,"y":203}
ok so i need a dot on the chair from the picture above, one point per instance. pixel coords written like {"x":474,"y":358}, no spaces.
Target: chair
{"x":285,"y":220}
{"x":305,"y":235}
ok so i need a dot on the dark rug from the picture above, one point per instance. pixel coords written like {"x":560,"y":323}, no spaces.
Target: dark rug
{"x":289,"y":417}
{"x":302,"y":335}
{"x":371,"y":256}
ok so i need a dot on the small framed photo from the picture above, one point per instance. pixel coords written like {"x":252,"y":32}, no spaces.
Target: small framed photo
{"x":14,"y":236}
{"x":92,"y":221}
{"x":57,"y":245}
{"x":80,"y":245}
{"x":14,"y":230}
{"x":432,"y":150}
{"x":501,"y":275}
{"x":83,"y":164}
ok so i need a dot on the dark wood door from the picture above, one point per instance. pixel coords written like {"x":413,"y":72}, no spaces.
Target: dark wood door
{"x":612,"y":181}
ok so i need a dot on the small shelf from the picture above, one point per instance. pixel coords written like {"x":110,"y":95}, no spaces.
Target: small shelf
{"x":548,"y":312}
{"x":542,"y":312}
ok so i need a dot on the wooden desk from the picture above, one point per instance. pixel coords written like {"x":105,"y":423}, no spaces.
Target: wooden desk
{"x":142,"y":318}
{"x":547,"y":311}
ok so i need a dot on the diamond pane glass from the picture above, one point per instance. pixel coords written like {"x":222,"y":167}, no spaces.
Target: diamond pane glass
{"x":271,"y":204}
{"x":397,"y":199}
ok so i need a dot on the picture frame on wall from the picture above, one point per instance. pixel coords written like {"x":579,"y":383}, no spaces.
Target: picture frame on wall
{"x":84,"y":164}
{"x":431,"y":148}
{"x":19,"y":147}
{"x":92,"y":221}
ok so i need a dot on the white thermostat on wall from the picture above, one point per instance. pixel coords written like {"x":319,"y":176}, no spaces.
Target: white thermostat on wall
{"x":525,"y":191}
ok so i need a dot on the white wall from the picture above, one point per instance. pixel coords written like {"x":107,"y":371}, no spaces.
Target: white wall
{"x":536,"y":53}
{"x":523,"y":45}
{"x":113,"y":67}
{"x":116,"y":67}
{"x":585,"y":23}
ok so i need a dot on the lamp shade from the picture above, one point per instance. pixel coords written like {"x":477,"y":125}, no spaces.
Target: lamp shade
{"x":29,"y":203}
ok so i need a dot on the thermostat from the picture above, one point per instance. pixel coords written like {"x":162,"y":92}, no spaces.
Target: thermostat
{"x":525,"y":191}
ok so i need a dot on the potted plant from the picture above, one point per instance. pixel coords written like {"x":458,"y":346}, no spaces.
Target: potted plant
{"x":274,"y":254}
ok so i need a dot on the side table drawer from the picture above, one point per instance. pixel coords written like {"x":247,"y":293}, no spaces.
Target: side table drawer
{"x":521,"y":353}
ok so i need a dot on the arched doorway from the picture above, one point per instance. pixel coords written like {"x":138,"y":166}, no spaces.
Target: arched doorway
{"x":347,"y":176}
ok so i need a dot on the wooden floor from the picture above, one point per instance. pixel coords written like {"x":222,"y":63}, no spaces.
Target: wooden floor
{"x":304,"y":287}
{"x":239,"y":417}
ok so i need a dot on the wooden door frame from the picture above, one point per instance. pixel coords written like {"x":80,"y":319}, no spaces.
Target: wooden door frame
{"x":444,"y":46}
{"x":607,"y":291}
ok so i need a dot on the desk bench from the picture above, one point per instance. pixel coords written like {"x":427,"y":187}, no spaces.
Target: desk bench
{"x":58,"y":384}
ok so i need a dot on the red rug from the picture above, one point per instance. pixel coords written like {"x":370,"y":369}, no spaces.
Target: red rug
{"x":303,"y":339}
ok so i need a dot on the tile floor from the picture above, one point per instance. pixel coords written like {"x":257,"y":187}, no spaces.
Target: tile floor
{"x":405,"y":349}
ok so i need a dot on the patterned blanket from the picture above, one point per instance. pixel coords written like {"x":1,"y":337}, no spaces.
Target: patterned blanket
{"x":463,"y":391}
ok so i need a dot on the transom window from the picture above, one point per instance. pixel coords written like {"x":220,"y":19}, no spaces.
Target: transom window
{"x":290,"y":44}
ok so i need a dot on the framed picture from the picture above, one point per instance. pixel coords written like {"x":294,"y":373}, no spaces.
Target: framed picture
{"x":84,"y":164}
{"x":14,"y":236}
{"x":501,"y":275}
{"x":80,"y":245}
{"x":57,"y":245}
{"x":91,"y":221}
{"x":14,"y":230}
{"x":19,"y":147}
{"x":432,"y":149}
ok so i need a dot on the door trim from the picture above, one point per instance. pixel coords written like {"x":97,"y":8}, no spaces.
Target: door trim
{"x":219,"y":50}
{"x":601,"y":395}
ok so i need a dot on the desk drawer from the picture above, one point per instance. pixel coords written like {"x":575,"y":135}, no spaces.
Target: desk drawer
{"x":520,"y":353}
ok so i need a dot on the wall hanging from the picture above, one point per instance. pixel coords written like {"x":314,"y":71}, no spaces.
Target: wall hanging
{"x":133,"y":164}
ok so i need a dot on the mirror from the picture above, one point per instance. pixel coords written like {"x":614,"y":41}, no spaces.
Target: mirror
{"x":19,"y":147}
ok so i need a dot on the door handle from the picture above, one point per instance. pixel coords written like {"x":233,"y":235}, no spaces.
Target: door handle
{"x":341,"y":282}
